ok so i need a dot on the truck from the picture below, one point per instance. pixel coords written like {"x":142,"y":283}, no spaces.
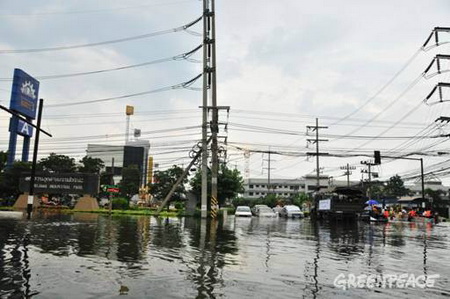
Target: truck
{"x":339,"y":203}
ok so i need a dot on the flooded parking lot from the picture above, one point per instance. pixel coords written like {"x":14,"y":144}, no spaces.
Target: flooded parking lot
{"x":97,"y":256}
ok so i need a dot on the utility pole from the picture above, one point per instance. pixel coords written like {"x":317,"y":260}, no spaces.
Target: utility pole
{"x":204,"y":195}
{"x":268,"y":176}
{"x":111,"y":181}
{"x":317,"y":153}
{"x":215,"y":117}
{"x":369,"y":172}
{"x":348,"y":172}
{"x":269,"y":168}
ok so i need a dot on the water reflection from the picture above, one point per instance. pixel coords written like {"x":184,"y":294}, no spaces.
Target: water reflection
{"x":90,"y":255}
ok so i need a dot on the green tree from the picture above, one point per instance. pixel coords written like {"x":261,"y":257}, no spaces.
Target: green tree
{"x":164,"y":181}
{"x":436,"y":197}
{"x":395,"y":187}
{"x":300,"y":198}
{"x":10,"y":178}
{"x":57,"y":164}
{"x":91,"y":165}
{"x":377,"y":190}
{"x":131,"y":177}
{"x":3,"y":159}
{"x":229,"y":183}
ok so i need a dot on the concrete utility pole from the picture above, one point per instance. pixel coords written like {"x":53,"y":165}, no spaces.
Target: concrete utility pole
{"x":215,"y":118}
{"x":369,"y":172}
{"x":317,"y":153}
{"x":204,"y":196}
{"x":269,"y":168}
{"x":209,"y":86}
{"x":348,"y":172}
{"x":178,"y":182}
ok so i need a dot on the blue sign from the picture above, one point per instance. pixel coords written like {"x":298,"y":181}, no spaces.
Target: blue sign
{"x":24,"y":95}
{"x":24,"y":129}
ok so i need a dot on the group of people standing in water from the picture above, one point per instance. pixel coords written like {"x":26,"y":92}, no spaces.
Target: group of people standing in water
{"x":402,"y":214}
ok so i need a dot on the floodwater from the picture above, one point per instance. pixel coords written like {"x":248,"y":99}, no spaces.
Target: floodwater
{"x":97,"y":256}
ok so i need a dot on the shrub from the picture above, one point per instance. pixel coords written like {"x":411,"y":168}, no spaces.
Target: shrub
{"x":120,"y":203}
{"x":242,"y":202}
{"x":179,"y":205}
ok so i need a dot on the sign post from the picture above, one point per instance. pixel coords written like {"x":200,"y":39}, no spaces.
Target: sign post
{"x":111,"y":189}
{"x":33,"y":166}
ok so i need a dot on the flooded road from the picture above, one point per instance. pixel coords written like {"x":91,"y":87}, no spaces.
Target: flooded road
{"x":97,"y":256}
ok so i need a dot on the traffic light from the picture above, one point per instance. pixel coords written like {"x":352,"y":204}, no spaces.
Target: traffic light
{"x":377,"y":157}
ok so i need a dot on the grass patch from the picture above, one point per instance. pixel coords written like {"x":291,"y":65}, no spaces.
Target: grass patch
{"x":6,"y":209}
{"x":144,"y":212}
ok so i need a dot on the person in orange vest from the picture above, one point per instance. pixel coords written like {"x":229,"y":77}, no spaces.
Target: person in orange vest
{"x":386,"y":213}
{"x":427,"y":214}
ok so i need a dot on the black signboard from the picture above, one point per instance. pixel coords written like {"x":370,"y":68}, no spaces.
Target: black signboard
{"x":66,"y":183}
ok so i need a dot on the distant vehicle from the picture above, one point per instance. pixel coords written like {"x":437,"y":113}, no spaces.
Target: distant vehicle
{"x":243,"y":211}
{"x":277,"y":209}
{"x":256,"y":208}
{"x":291,"y":211}
{"x":266,"y":212}
{"x":339,"y":203}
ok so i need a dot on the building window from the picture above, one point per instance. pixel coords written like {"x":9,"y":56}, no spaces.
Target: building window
{"x":250,"y":193}
{"x":251,"y":186}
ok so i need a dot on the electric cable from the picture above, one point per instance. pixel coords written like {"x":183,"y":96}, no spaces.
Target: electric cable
{"x":176,"y":86}
{"x":173,"y":58}
{"x":115,"y":41}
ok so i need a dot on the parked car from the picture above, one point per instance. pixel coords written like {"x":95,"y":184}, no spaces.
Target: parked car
{"x":266,"y":212}
{"x":277,"y":209}
{"x":243,"y":211}
{"x":256,"y":208}
{"x":291,"y":211}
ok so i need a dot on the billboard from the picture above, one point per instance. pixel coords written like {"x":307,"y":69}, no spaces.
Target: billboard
{"x":66,"y":183}
{"x":24,"y":94}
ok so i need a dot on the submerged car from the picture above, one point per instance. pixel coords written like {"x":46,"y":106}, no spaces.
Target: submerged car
{"x":291,"y":211}
{"x":266,"y":212}
{"x":243,"y":211}
{"x":255,"y":209}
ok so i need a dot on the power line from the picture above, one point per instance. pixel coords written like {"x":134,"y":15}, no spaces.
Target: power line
{"x":115,"y":41}
{"x":76,"y":12}
{"x":186,"y":84}
{"x":184,"y":56}
{"x":408,"y":62}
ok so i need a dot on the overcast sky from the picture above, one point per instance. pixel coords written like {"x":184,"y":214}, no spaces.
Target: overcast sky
{"x":356,"y":65}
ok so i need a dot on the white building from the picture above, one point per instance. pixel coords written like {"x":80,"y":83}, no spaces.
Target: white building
{"x":285,"y":188}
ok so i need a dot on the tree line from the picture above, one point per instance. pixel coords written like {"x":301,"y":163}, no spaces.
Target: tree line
{"x":230,"y":182}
